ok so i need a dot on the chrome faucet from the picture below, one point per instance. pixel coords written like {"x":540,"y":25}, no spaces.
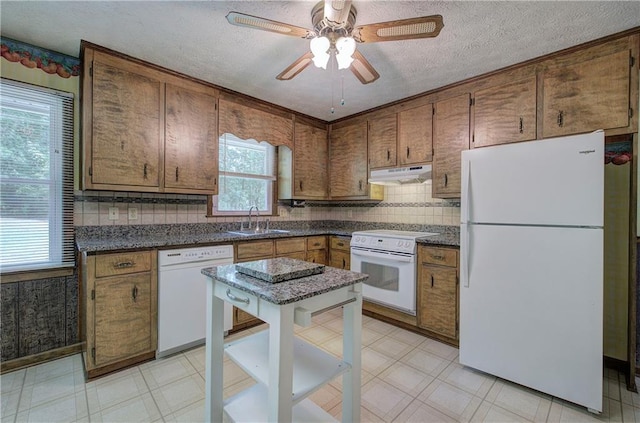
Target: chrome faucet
{"x":257,"y":217}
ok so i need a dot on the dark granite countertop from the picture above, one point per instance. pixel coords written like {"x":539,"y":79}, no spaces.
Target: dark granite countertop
{"x":91,"y":239}
{"x":288,"y":291}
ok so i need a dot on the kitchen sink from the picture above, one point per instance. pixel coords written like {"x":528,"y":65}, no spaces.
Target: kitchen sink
{"x":249,"y":232}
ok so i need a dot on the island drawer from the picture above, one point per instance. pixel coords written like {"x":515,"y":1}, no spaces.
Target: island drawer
{"x":243,"y":300}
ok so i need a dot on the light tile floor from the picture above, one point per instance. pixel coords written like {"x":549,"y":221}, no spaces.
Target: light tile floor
{"x":405,"y":378}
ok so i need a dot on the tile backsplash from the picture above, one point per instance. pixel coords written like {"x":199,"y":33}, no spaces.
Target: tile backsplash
{"x":411,"y":204}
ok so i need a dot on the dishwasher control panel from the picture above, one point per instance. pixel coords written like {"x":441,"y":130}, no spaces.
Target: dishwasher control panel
{"x":186,"y":255}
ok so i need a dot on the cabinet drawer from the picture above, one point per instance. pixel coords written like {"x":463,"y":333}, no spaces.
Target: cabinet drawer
{"x":254,"y":250}
{"x":121,"y":263}
{"x":440,"y":256}
{"x":317,"y":243}
{"x":290,"y":245}
{"x":240,"y":299}
{"x":340,"y":243}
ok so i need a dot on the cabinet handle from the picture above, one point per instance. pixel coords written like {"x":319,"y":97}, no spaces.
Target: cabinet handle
{"x":177,"y":173}
{"x":340,"y":244}
{"x":344,"y":264}
{"x":237,"y":299}
{"x":360,"y":185}
{"x":521,"y":127}
{"x":431,"y":281}
{"x":316,"y":244}
{"x":438,"y":257}
{"x":446,"y":180}
{"x":134,"y":293}
{"x":388,"y":155}
{"x":144,"y":171}
{"x":407,"y":152}
{"x":123,"y":264}
{"x":560,"y":118}
{"x":300,"y":185}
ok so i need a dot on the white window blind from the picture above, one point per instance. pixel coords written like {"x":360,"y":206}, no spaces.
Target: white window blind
{"x":36,"y":177}
{"x":247,"y":175}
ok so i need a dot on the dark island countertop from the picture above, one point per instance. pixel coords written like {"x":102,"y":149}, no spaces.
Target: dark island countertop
{"x":94,"y":239}
{"x":289,"y":291}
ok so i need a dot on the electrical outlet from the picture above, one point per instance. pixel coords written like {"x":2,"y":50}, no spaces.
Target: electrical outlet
{"x":133,"y":213}
{"x":350,"y":213}
{"x":113,"y":213}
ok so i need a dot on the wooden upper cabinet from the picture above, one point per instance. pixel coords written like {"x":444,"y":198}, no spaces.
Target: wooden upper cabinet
{"x":123,"y":124}
{"x":348,"y":157}
{"x":451,"y":137}
{"x":415,"y":140}
{"x":383,"y":141}
{"x":584,"y":93}
{"x":246,"y":123}
{"x":191,"y":144}
{"x":506,"y":113}
{"x":310,"y":156}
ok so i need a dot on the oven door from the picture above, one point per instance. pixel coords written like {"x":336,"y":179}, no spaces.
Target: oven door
{"x":392,"y":277}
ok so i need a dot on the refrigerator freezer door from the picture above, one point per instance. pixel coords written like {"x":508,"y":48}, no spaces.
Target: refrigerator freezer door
{"x":532,"y":310}
{"x":556,"y":181}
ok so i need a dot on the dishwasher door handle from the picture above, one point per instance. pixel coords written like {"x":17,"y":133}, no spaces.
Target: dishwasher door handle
{"x":237,"y":299}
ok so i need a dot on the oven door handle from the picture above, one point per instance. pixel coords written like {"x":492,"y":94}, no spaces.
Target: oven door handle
{"x":382,"y":255}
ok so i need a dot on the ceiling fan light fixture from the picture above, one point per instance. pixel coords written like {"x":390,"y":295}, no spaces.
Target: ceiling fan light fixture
{"x":320,"y":49}
{"x":345,"y":46}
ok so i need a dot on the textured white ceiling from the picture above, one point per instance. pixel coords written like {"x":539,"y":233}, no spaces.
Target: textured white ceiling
{"x":193,"y":37}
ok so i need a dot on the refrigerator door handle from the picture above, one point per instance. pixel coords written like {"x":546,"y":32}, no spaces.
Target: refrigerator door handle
{"x":466,"y":191}
{"x":465,"y":240}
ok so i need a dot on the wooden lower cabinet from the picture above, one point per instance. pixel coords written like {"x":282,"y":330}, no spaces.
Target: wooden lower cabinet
{"x":438,"y":291}
{"x":317,"y":249}
{"x":120,"y":310}
{"x":340,"y":252}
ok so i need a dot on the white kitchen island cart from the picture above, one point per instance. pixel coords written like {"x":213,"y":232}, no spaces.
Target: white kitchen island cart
{"x":286,"y":368}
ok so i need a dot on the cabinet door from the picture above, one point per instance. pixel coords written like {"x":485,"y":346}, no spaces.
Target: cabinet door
{"x":317,"y":256}
{"x":438,"y":300}
{"x":127,"y":125}
{"x":349,"y":161}
{"x":587,"y":95}
{"x":310,"y":162}
{"x":122,"y":317}
{"x":382,"y":141}
{"x":415,"y":141}
{"x":191,"y":143}
{"x":340,"y":259}
{"x":450,"y":139}
{"x":505,"y":114}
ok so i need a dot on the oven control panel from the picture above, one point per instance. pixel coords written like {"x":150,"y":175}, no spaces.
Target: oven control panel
{"x":383,"y":243}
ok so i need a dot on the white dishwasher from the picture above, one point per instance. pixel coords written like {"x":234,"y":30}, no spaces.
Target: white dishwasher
{"x":182,"y":296}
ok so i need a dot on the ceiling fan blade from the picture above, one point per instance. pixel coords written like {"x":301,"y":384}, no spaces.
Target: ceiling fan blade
{"x":362,"y":69}
{"x":255,"y":22}
{"x":296,"y":67}
{"x":337,"y":11}
{"x":403,"y":29}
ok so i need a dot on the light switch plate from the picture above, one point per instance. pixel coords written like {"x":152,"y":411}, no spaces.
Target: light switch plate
{"x":133,"y":213}
{"x":113,"y":213}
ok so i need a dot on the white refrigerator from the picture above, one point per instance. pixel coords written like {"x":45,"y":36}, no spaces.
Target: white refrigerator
{"x":531,"y":264}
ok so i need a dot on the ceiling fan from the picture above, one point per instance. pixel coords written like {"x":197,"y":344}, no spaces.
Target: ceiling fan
{"x":334,"y":31}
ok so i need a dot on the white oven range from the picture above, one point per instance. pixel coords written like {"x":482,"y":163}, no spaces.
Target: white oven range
{"x":389,"y":258}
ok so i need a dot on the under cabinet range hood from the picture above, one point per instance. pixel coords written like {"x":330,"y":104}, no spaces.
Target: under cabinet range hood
{"x":401,"y":175}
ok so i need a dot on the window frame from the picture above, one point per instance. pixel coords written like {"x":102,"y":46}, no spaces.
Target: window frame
{"x":272,"y":151}
{"x":59,"y":105}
